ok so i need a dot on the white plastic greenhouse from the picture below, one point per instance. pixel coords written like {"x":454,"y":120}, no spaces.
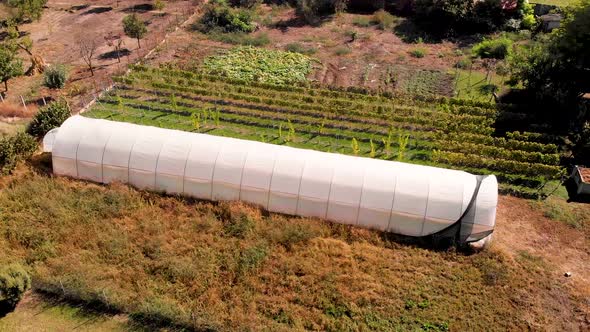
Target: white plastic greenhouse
{"x":389,"y":196}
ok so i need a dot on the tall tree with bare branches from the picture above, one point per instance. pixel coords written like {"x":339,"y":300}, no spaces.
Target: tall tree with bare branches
{"x":87,"y":48}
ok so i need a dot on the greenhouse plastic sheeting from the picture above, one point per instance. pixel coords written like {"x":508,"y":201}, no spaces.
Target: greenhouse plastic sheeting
{"x":389,"y":196}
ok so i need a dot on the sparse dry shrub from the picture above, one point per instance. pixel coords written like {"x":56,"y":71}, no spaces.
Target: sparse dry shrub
{"x":8,"y":110}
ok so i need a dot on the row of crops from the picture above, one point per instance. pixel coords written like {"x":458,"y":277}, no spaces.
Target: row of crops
{"x":442,"y":132}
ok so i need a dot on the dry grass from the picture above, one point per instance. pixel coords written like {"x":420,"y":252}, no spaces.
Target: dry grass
{"x":8,"y":110}
{"x":230,"y":266}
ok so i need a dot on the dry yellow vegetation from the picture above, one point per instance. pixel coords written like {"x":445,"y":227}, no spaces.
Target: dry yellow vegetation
{"x":171,"y":261}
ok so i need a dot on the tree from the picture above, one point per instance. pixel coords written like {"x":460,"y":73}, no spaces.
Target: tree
{"x":16,"y":40}
{"x":23,"y":10}
{"x":557,"y":68}
{"x":134,"y":27}
{"x":115,"y":41}
{"x":10,"y":65}
{"x":87,"y":48}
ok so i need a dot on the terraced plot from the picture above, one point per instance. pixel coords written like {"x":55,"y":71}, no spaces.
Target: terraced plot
{"x":433,"y":131}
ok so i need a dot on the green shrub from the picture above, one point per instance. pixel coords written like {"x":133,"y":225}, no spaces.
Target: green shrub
{"x":218,"y":15}
{"x":55,"y":77}
{"x":49,"y":117}
{"x":14,"y":282}
{"x":528,"y":22}
{"x":418,"y":53}
{"x":383,"y":20}
{"x":14,"y":149}
{"x":493,"y":48}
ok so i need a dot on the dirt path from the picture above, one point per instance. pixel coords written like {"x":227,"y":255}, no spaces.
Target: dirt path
{"x":521,"y":229}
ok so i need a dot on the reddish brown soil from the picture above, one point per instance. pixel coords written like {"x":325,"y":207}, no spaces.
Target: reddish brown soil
{"x":365,"y":64}
{"x":56,"y":36}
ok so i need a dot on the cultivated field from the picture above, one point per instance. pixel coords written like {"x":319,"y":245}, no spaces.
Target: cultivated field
{"x":434,"y":131}
{"x":113,"y":258}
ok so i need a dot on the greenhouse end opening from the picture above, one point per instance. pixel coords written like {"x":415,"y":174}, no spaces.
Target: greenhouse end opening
{"x":400,"y":198}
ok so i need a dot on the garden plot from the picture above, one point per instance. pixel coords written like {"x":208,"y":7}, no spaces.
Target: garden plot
{"x":432,"y":131}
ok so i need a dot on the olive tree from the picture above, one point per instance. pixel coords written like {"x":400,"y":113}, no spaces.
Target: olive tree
{"x":23,"y":10}
{"x":10,"y":64}
{"x":134,"y":27}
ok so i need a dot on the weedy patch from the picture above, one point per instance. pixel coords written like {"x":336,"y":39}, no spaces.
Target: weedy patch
{"x":260,"y":65}
{"x":193,"y":265}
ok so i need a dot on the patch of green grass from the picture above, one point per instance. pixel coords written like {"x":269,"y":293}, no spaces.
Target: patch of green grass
{"x":561,"y":3}
{"x":240,"y":38}
{"x":39,"y":315}
{"x":421,"y":82}
{"x":575,"y":215}
{"x":473,"y":85}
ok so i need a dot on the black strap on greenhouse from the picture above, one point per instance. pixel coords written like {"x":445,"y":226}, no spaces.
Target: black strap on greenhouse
{"x":452,"y":234}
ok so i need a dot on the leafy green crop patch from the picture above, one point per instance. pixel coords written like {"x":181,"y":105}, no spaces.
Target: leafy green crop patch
{"x":260,"y":65}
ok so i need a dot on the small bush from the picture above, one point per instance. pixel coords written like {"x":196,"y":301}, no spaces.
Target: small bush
{"x":14,"y":149}
{"x":49,"y":117}
{"x":383,"y":20}
{"x":14,"y":282}
{"x":55,"y":77}
{"x":218,"y":15}
{"x":493,"y":48}
{"x":418,"y":53}
{"x":528,"y":22}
